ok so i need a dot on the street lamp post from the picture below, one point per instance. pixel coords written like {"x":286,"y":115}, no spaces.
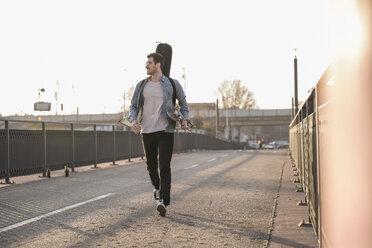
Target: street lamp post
{"x":295,"y":84}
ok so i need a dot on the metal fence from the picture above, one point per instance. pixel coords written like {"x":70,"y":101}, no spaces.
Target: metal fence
{"x":305,"y":142}
{"x":28,"y":147}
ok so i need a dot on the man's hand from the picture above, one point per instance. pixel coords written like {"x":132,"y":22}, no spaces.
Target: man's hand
{"x":136,"y":127}
{"x":184,"y":124}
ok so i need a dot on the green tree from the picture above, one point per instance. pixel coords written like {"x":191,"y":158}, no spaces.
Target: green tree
{"x":236,"y":96}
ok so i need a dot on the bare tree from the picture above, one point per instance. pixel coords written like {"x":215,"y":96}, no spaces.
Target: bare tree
{"x":236,"y":96}
{"x":127,"y":96}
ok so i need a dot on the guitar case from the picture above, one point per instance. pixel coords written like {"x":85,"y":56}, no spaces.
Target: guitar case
{"x":165,"y":50}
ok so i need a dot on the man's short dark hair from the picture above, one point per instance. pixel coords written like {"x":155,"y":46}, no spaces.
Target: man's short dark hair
{"x":158,"y":58}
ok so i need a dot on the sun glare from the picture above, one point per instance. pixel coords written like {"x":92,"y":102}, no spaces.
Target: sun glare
{"x":347,"y":29}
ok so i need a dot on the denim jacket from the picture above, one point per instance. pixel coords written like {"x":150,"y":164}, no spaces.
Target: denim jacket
{"x":136,"y":107}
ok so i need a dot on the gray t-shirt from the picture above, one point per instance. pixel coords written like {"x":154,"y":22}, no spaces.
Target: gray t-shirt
{"x":152,"y":120}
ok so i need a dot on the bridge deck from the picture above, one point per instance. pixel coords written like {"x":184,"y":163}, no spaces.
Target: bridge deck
{"x":218,"y":198}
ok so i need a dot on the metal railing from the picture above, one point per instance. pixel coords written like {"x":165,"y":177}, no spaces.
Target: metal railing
{"x":28,"y":147}
{"x":304,"y":144}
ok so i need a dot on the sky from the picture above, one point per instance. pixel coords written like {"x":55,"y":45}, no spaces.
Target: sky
{"x":90,"y":52}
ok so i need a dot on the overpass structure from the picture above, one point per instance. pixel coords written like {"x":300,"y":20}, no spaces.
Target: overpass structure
{"x":246,"y":124}
{"x":248,"y":117}
{"x":86,"y":118}
{"x":234,"y":124}
{"x":238,"y":117}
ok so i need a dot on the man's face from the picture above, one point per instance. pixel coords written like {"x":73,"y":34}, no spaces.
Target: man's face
{"x":150,"y":66}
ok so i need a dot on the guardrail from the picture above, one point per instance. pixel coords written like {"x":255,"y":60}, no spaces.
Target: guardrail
{"x":28,"y":147}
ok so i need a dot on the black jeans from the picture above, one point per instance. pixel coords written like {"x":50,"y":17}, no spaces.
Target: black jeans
{"x":154,"y":144}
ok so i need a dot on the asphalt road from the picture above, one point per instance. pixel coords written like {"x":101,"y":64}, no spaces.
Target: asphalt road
{"x":219,"y":199}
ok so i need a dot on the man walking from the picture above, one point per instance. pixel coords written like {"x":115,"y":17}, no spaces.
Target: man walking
{"x":151,"y":98}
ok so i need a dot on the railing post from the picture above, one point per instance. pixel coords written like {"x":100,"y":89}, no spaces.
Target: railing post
{"x":307,"y":192}
{"x":73,"y":147}
{"x":179,"y":141}
{"x":306,"y":159}
{"x":130,"y":146}
{"x":176,"y":141}
{"x":95,"y":146}
{"x":113,"y":132}
{"x":44,"y":149}
{"x":7,"y":179}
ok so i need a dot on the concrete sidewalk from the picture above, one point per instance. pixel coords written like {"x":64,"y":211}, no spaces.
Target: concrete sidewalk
{"x":286,"y":230}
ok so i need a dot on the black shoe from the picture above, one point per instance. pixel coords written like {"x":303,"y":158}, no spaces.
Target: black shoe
{"x":161,"y":209}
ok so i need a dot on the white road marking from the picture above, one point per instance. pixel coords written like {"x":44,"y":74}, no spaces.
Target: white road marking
{"x":53,"y":213}
{"x":148,"y":181}
{"x":213,"y":159}
{"x":192,"y":166}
